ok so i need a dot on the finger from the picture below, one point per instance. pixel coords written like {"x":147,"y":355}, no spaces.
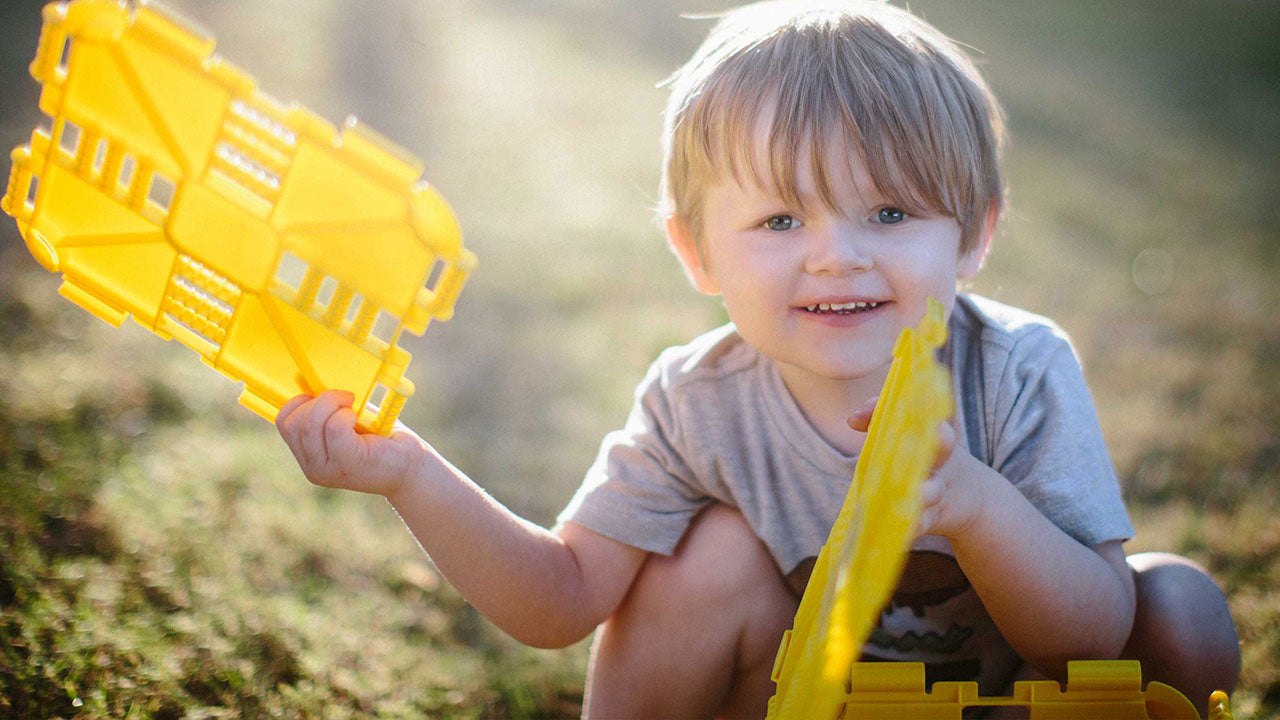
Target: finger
{"x":860,"y":420}
{"x":338,"y":397}
{"x":332,"y":402}
{"x":340,"y":433}
{"x":946,"y":444}
{"x":290,"y":422}
{"x":287,"y":410}
{"x":926,"y":521}
{"x":930,"y":492}
{"x":946,"y":434}
{"x":311,"y":426}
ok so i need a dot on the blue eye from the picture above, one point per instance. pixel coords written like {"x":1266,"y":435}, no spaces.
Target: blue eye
{"x":890,"y":215}
{"x":780,"y":223}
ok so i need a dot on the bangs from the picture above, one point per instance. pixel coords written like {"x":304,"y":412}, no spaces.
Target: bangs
{"x":836,"y":91}
{"x":813,"y":140}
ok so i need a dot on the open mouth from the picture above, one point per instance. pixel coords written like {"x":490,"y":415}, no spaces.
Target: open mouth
{"x":848,"y":308}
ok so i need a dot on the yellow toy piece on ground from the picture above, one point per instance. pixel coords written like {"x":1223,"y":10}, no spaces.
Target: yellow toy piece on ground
{"x":858,"y":568}
{"x":1096,"y":690}
{"x":1219,"y":706}
{"x":289,"y":256}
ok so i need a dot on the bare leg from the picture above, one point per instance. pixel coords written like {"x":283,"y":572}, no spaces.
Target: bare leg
{"x":1182,"y":632}
{"x":697,"y":634}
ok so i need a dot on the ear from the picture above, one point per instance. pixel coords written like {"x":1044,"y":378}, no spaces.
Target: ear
{"x":683,"y":244}
{"x":971,"y":260}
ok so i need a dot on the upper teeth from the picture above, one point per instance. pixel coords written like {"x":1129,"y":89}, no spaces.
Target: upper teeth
{"x":842,"y":306}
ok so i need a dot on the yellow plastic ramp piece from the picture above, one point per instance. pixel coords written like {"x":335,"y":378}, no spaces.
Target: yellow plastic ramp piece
{"x":288,"y":255}
{"x":1096,"y":690}
{"x":858,"y":567}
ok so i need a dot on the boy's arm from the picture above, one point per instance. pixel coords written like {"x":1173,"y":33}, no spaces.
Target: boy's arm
{"x":1052,"y":598}
{"x":544,"y":588}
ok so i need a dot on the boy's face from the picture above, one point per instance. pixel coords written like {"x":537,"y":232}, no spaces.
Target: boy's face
{"x":823,"y":293}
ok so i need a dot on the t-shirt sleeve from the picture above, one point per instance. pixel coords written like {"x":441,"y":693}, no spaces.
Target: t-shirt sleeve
{"x":1049,"y":445}
{"x":640,"y":491}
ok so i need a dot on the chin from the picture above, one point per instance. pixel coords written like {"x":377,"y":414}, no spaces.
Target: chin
{"x":849,"y":371}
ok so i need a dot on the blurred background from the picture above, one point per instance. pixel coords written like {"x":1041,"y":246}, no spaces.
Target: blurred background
{"x":163,"y":557}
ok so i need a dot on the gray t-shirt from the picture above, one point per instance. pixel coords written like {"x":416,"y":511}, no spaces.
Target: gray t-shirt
{"x":713,"y":421}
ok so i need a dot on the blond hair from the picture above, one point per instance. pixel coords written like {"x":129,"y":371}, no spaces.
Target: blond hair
{"x":872,"y":78}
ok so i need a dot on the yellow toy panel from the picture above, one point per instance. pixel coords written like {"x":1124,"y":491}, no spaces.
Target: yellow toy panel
{"x":1096,"y":690}
{"x":858,"y":567}
{"x":289,"y":256}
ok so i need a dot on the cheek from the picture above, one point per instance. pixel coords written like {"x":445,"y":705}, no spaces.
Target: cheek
{"x":754,"y":292}
{"x":745,"y":298}
{"x":931,"y":265}
{"x":919,"y":277}
{"x":753,"y":272}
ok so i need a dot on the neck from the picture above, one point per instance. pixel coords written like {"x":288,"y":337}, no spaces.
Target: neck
{"x":828,"y":402}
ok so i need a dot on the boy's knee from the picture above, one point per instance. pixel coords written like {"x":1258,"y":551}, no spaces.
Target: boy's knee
{"x":696,"y":628}
{"x":1182,"y":626}
{"x":718,"y":557}
{"x":716,"y":568}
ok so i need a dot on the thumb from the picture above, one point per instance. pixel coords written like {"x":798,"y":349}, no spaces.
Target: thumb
{"x":946,"y":444}
{"x":860,"y":420}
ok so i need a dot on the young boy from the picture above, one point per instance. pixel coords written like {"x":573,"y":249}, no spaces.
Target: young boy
{"x":828,"y":167}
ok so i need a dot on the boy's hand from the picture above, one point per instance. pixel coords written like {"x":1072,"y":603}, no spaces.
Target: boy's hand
{"x":321,"y":433}
{"x":951,"y":500}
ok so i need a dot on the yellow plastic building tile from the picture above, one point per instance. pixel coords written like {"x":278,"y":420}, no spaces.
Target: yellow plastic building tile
{"x":1096,"y":690}
{"x":291,"y":257}
{"x":872,"y":532}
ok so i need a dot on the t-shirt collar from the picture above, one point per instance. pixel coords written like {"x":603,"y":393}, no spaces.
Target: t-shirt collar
{"x":790,"y":422}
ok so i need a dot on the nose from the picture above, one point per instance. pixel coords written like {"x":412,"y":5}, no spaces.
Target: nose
{"x":838,"y":250}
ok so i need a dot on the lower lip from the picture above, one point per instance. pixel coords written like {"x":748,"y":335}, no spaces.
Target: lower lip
{"x":844,"y":320}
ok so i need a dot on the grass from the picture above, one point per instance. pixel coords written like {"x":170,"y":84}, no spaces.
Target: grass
{"x":163,"y":561}
{"x":164,"y":558}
